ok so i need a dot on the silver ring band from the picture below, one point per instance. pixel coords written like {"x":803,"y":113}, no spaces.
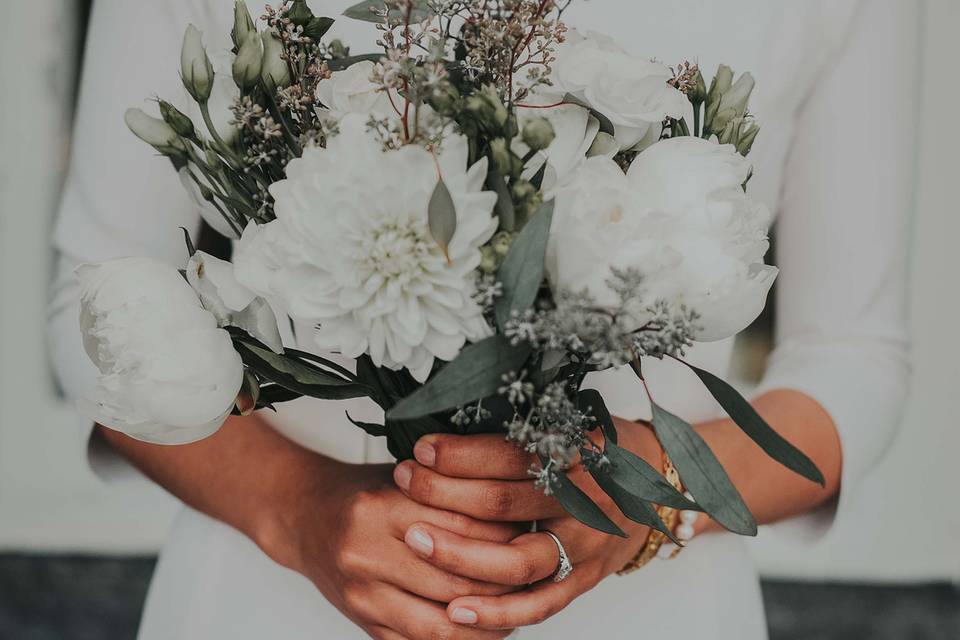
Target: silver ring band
{"x":564,"y":566}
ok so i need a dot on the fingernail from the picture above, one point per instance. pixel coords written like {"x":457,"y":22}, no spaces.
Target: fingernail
{"x":464,"y":616}
{"x":402,"y":475}
{"x":425,"y":453}
{"x":419,"y":540}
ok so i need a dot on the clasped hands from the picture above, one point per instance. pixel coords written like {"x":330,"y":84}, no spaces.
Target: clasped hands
{"x":445,"y":549}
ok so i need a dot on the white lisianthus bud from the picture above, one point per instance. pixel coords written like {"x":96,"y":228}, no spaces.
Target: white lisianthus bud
{"x":538,"y":133}
{"x":733,"y":102}
{"x":274,"y":70}
{"x":231,"y":303}
{"x":168,"y":373}
{"x":154,"y":132}
{"x":196,"y":71}
{"x":243,"y":26}
{"x":247,"y":64}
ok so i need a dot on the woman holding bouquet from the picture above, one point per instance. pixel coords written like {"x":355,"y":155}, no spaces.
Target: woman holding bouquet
{"x":297,"y":525}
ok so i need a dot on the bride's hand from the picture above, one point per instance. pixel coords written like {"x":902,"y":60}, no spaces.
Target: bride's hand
{"x":345,"y":533}
{"x":487,"y":478}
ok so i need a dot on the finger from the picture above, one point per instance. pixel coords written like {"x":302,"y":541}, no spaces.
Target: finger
{"x":413,"y":573}
{"x":384,"y":633}
{"x":413,"y":617}
{"x":497,"y":500}
{"x":474,"y":456}
{"x":528,"y":558}
{"x":523,"y":608}
{"x":457,"y":522}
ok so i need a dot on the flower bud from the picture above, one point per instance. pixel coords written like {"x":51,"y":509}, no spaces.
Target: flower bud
{"x":538,"y":133}
{"x":500,"y":155}
{"x":247,"y":63}
{"x":178,"y":120}
{"x":486,"y":106}
{"x":155,"y":132}
{"x":722,"y":119}
{"x":489,"y":262}
{"x":274,"y":70}
{"x":196,"y":71}
{"x":337,"y":49}
{"x":501,"y":243}
{"x":731,"y":130}
{"x":213,"y":160}
{"x":248,"y":395}
{"x":243,"y":25}
{"x":698,"y":94}
{"x":720,"y":83}
{"x":747,"y":135}
{"x":738,"y":95}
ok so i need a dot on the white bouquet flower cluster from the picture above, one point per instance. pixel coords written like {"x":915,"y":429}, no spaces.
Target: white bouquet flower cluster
{"x":480,"y":214}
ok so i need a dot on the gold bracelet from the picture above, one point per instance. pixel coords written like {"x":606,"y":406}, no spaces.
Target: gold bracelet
{"x":669,"y":516}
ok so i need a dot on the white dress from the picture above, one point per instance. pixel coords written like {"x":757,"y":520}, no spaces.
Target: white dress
{"x":836,"y":98}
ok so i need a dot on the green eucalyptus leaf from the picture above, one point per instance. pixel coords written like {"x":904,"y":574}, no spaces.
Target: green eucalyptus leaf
{"x":580,"y":505}
{"x":442,"y":216}
{"x":590,"y":401}
{"x":702,"y":473}
{"x":504,"y":207}
{"x":606,"y":126}
{"x":747,"y":418}
{"x":372,"y":428}
{"x":636,"y":476}
{"x":271,"y":394}
{"x":339,"y":64}
{"x":477,"y":372}
{"x":370,"y":11}
{"x":635,"y":508}
{"x":297,"y":375}
{"x":521,"y":273}
{"x":317,"y":28}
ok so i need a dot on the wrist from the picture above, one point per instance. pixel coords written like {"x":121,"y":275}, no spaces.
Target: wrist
{"x":296,"y":497}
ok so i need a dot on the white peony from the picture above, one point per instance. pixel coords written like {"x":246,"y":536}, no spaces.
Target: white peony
{"x":168,"y":374}
{"x":352,"y":91}
{"x":351,"y":252}
{"x":629,"y":90}
{"x":681,"y":218}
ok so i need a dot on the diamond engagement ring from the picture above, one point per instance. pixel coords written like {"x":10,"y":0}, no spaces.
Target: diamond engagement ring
{"x":564,"y":567}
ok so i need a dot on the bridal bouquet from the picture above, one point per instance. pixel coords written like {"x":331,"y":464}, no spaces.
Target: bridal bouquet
{"x":479,"y":214}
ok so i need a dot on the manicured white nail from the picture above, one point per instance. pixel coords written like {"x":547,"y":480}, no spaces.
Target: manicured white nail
{"x":464,"y":616}
{"x":419,"y":540}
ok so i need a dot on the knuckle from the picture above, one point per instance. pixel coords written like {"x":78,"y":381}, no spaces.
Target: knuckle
{"x":347,"y":560}
{"x":497,"y":501}
{"x":440,"y":632}
{"x":540,"y":612}
{"x":354,"y":597}
{"x":422,"y":486}
{"x":523,"y":570}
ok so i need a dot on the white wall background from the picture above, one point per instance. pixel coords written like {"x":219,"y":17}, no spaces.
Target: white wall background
{"x":907,"y":520}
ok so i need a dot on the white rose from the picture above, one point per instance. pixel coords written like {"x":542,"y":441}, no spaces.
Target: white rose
{"x":681,"y":218}
{"x":629,"y":90}
{"x":168,"y":373}
{"x":352,"y":91}
{"x":351,"y":252}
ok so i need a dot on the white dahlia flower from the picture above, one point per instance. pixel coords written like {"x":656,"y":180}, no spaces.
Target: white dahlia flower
{"x":351,"y":252}
{"x":680,"y":217}
{"x":168,"y":374}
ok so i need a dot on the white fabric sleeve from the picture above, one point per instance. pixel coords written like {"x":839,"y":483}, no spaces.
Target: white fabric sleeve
{"x":120,"y":197}
{"x":842,"y":242}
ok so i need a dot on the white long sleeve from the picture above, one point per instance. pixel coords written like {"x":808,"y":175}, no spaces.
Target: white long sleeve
{"x":842,"y":239}
{"x":120,"y":198}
